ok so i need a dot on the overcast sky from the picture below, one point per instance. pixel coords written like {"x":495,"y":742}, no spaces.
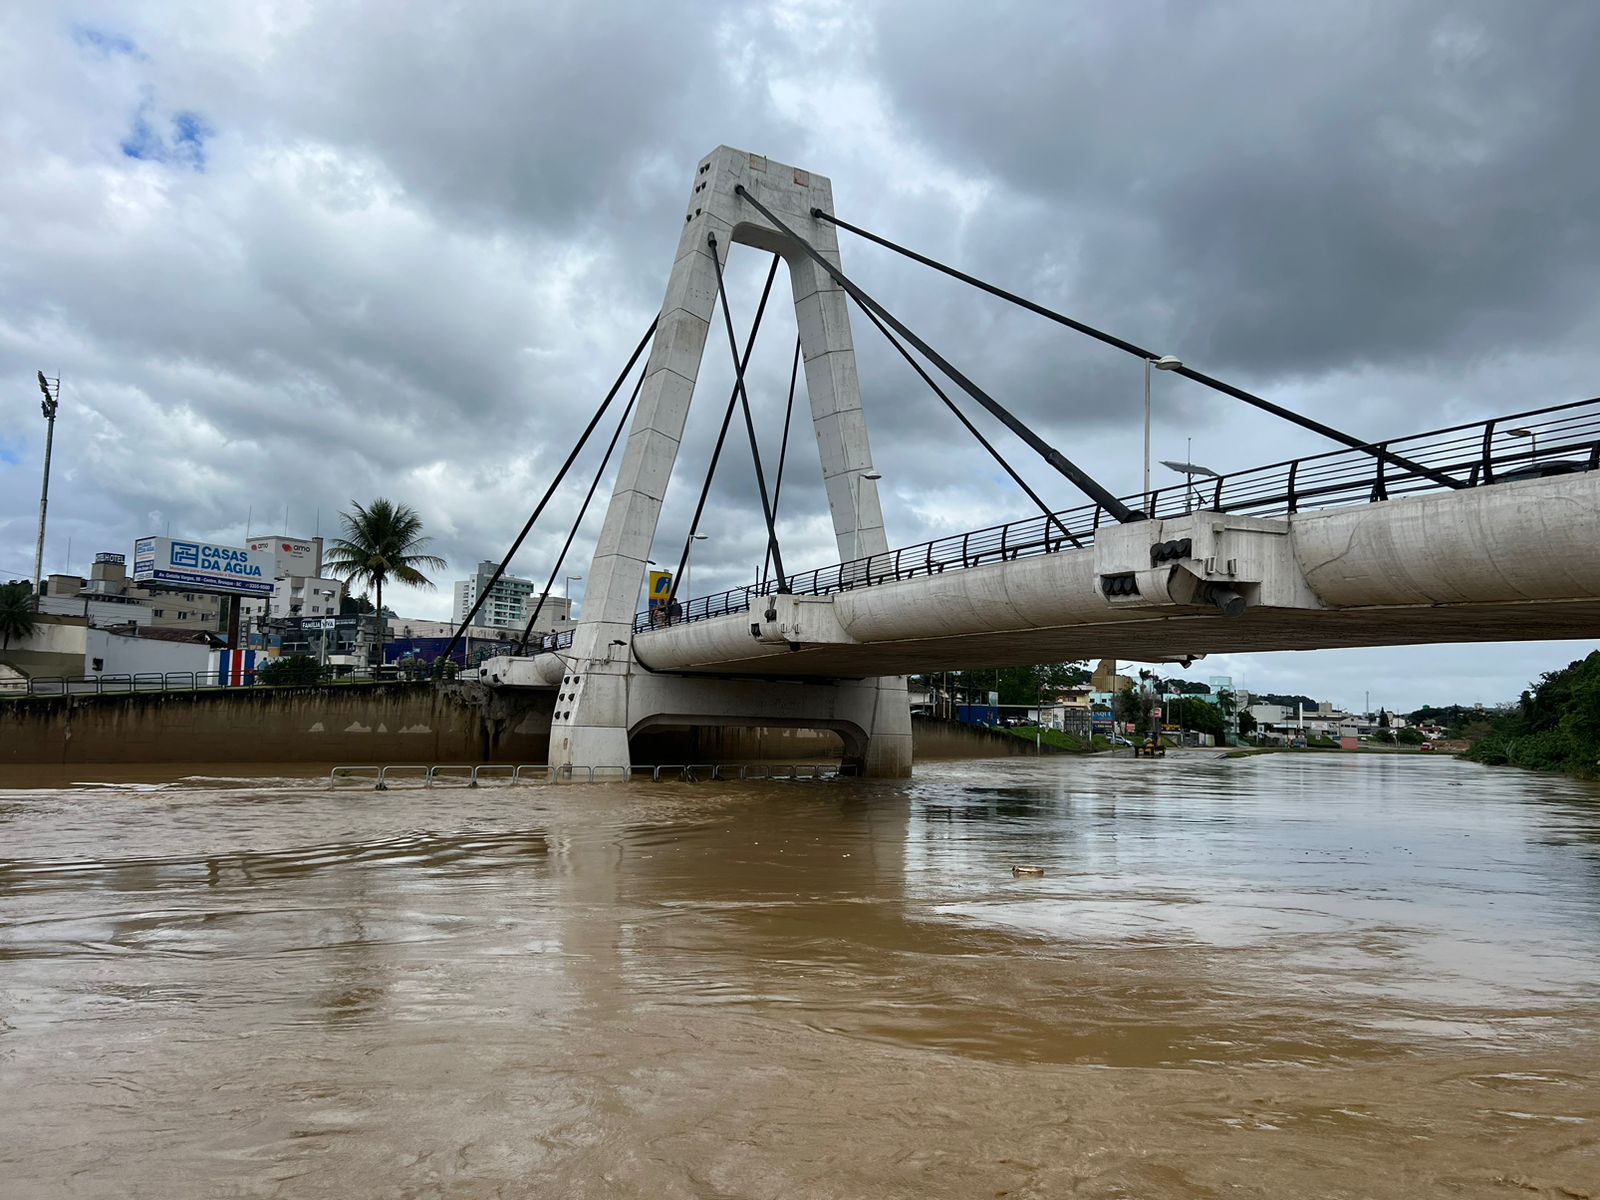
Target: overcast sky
{"x":287,"y":255}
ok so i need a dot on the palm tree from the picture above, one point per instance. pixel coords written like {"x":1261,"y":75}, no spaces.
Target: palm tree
{"x":381,"y":541}
{"x":16,"y":613}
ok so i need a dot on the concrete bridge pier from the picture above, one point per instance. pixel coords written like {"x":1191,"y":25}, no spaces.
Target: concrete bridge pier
{"x":871,"y":716}
{"x":605,"y":694}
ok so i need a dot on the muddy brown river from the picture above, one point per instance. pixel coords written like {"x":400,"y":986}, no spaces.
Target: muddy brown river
{"x":1285,"y":976}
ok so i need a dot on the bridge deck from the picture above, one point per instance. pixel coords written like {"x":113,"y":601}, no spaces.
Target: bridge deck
{"x":1376,"y":558}
{"x":1164,"y":638}
{"x":1490,"y":564}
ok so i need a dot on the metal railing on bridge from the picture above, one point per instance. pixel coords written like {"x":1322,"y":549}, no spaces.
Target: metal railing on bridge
{"x":1561,"y":439}
{"x":116,"y":683}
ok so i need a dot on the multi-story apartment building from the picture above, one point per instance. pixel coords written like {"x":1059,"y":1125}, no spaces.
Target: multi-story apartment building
{"x":510,"y":601}
{"x":300,"y":589}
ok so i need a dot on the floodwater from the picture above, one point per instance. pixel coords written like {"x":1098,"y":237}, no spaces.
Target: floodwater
{"x":1293,"y":975}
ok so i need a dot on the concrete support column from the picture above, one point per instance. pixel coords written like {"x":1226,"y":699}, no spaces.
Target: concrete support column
{"x":593,"y":707}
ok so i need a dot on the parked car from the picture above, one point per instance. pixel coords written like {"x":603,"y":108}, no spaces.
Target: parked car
{"x":1425,"y":748}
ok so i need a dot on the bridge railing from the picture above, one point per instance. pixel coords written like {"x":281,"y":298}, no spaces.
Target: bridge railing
{"x":118,"y":683}
{"x":1560,"y":439}
{"x":551,"y":641}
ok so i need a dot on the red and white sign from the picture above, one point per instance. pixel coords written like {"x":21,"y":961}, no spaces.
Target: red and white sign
{"x":291,"y":556}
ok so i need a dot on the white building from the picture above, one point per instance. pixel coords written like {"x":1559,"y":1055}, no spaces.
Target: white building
{"x":421,"y":627}
{"x":300,"y":589}
{"x":297,"y":596}
{"x":510,"y":601}
{"x":109,"y":597}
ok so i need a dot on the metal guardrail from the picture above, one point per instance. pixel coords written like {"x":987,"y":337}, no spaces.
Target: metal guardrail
{"x":380,"y":778}
{"x":1565,"y":438}
{"x":114,"y":683}
{"x":706,"y":772}
{"x":551,"y":641}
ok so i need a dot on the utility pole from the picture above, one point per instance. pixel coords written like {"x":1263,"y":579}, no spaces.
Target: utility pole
{"x":52,"y":401}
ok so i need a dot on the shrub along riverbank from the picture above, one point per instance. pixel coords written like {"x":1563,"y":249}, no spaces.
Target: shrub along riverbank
{"x":1555,"y":727}
{"x":1056,"y":740}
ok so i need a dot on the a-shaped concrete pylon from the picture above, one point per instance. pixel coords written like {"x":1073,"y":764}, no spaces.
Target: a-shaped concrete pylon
{"x":605,"y":695}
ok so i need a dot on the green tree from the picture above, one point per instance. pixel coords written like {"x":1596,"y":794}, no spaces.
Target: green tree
{"x":17,"y":618}
{"x":381,"y":541}
{"x":1132,"y":705}
{"x":296,"y":669}
{"x":1247,"y":723}
{"x":1196,"y":715}
{"x":1019,"y":685}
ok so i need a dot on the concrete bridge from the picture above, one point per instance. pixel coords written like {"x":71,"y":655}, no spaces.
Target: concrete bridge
{"x":1460,"y":535}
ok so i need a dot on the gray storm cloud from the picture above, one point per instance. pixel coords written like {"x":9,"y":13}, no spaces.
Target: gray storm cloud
{"x":299,"y":254}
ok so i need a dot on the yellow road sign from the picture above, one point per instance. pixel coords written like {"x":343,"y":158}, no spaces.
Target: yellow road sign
{"x":660,"y":587}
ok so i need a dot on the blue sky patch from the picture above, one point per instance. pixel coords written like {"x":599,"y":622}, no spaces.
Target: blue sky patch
{"x":183,"y":143}
{"x":103,"y":41}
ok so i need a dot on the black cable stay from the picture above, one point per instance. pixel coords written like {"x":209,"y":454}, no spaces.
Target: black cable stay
{"x":1227,"y":389}
{"x":749,"y":422}
{"x":555,"y":483}
{"x":577,"y":521}
{"x":1080,"y":479}
{"x":783,"y":449}
{"x":722,"y":434}
{"x":1050,"y":516}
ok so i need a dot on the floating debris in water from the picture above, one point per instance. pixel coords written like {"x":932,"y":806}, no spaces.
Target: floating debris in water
{"x":1020,"y":869}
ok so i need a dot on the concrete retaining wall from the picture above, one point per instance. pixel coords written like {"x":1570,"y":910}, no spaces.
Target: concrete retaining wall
{"x":390,"y":723}
{"x":384,"y":723}
{"x":934,"y":737}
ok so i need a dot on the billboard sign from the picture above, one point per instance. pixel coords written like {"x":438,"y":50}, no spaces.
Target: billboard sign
{"x":290,"y":556}
{"x":660,"y":588}
{"x":202,"y":567}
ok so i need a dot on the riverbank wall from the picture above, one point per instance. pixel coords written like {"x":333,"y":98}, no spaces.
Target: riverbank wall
{"x":937,"y":738}
{"x":396,"y":722}
{"x":356,"y":723}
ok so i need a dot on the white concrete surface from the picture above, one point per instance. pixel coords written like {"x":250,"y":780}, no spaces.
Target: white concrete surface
{"x":607,"y":691}
{"x":1510,"y":562}
{"x":119,"y":655}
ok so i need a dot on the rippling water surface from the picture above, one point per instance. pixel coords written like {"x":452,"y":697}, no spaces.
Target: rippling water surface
{"x":1281,"y":976}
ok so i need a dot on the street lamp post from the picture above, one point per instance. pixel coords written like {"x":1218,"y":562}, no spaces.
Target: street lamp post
{"x":687,"y":558}
{"x":1165,"y":363}
{"x":566,"y":590}
{"x":874,"y":476}
{"x":1188,"y":470}
{"x":52,"y":401}
{"x":1531,"y":436}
